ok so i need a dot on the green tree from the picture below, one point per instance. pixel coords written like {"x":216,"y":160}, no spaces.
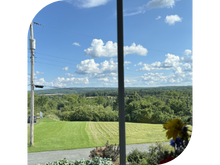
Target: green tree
{"x":177,"y":105}
{"x":134,"y":96}
{"x":99,"y":100}
{"x":41,"y":100}
{"x":116,"y":104}
{"x":51,"y":104}
{"x":144,"y":115}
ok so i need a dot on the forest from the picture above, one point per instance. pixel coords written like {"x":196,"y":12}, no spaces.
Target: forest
{"x":142,"y":105}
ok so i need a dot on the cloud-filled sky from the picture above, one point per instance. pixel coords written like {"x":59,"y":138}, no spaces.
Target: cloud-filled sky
{"x":76,"y":44}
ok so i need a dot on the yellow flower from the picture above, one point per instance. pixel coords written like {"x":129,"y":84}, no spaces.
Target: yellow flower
{"x":173,"y":128}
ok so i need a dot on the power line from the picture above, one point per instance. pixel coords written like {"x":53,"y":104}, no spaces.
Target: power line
{"x":55,"y":61}
{"x":164,"y":51}
{"x":69,"y":59}
{"x":65,"y":30}
{"x":51,"y":64}
{"x":75,"y":68}
{"x":56,"y":56}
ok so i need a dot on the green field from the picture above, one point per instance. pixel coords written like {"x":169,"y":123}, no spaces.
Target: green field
{"x":52,"y":135}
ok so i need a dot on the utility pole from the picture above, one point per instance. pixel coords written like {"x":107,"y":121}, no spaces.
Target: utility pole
{"x":32,"y":48}
{"x":120,"y":39}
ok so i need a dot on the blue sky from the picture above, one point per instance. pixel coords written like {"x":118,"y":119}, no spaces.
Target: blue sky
{"x":76,"y":44}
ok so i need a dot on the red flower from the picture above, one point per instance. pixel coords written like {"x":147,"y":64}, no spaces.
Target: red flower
{"x":166,"y":160}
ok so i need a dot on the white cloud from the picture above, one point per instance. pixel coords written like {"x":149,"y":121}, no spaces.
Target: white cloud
{"x":73,"y":80}
{"x":108,"y":66}
{"x":69,"y":74}
{"x":187,"y":52}
{"x":76,"y":44}
{"x":171,"y":19}
{"x":177,"y":70}
{"x":127,"y":62}
{"x":170,"y":62}
{"x":161,"y":3}
{"x":42,"y":80}
{"x":138,"y":10}
{"x":37,"y":72}
{"x":158,"y":17}
{"x":152,"y":4}
{"x":98,"y":49}
{"x":127,"y":67}
{"x":140,"y":63}
{"x":65,"y":68}
{"x":172,"y":80}
{"x":187,"y":67}
{"x":135,"y":65}
{"x":95,"y":70}
{"x":155,"y":77}
{"x":186,"y":59}
{"x":87,"y":66}
{"x":133,"y":49}
{"x":103,"y":79}
{"x":87,"y":3}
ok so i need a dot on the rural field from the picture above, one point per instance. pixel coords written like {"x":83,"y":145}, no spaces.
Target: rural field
{"x":50,"y":135}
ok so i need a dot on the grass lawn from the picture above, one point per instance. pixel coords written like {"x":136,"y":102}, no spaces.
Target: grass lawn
{"x":51,"y":135}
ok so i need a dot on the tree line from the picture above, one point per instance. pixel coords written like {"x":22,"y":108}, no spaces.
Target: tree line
{"x":144,"y":106}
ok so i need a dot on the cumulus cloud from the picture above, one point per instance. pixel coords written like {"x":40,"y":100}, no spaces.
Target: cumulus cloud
{"x":172,"y":80}
{"x":98,"y":49}
{"x":154,"y":77}
{"x":171,"y":19}
{"x":65,"y":68}
{"x":187,"y":67}
{"x":96,"y":70}
{"x":76,"y":44}
{"x":186,"y":59}
{"x":87,"y":66}
{"x":73,"y":80}
{"x":187,"y":52}
{"x":87,"y":3}
{"x":158,"y":17}
{"x":170,"y":62}
{"x":108,"y":66}
{"x":161,"y":3}
{"x":103,"y":79}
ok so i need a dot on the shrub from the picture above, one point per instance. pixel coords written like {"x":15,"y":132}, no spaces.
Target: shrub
{"x":109,"y":151}
{"x":136,"y":156}
{"x":157,"y":153}
{"x":94,"y":161}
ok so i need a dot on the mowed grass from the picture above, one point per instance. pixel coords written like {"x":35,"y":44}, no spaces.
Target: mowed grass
{"x":50,"y":135}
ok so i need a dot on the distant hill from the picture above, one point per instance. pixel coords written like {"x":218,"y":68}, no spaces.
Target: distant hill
{"x":61,"y":91}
